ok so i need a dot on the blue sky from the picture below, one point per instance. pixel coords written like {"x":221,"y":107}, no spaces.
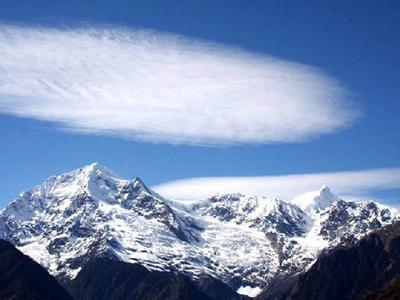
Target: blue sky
{"x":355,"y":43}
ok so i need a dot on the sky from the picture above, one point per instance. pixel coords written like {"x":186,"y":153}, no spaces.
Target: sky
{"x":267,"y":97}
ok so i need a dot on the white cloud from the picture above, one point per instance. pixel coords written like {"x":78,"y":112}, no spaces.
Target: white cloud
{"x":161,"y":87}
{"x":351,"y":185}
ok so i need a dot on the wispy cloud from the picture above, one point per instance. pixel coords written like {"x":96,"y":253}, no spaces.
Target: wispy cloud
{"x":159,"y":87}
{"x":351,"y":185}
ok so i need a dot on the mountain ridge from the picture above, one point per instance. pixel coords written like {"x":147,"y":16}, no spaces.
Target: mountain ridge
{"x":367,"y":268}
{"x":245,"y":241}
{"x":22,"y":278}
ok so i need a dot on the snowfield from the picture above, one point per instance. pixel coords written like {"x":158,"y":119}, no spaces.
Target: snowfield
{"x":242,"y":240}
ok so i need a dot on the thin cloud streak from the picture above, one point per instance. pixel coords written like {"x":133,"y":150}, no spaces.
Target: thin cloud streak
{"x":351,"y":185}
{"x":152,"y":86}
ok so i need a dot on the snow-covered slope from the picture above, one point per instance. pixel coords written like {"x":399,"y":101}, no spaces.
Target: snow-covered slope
{"x":316,"y":201}
{"x":244,"y":241}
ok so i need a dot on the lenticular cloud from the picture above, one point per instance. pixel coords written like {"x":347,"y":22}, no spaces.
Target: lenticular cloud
{"x":352,"y":185}
{"x":161,"y":87}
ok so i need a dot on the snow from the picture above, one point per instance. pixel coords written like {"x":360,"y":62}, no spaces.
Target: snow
{"x":232,"y":237}
{"x":315,"y":201}
{"x":249,"y":291}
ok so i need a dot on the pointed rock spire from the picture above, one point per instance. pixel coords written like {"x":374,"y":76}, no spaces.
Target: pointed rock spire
{"x":317,"y":200}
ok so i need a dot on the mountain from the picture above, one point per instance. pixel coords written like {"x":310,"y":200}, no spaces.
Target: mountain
{"x":22,"y":278}
{"x":369,"y":269}
{"x":315,"y":201}
{"x":107,"y":279}
{"x":390,"y":292}
{"x":248,"y":243}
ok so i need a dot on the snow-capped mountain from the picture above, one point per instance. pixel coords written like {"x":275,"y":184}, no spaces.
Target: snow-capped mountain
{"x":247,"y":242}
{"x":316,"y":201}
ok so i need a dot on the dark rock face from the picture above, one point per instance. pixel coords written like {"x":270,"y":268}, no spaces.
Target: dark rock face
{"x":288,"y":224}
{"x":22,"y":278}
{"x":216,"y":289}
{"x":391,"y":292}
{"x":352,"y":272}
{"x":150,"y":206}
{"x":341,"y":224}
{"x":222,"y":207}
{"x":285,"y":218}
{"x":106,"y":279}
{"x":278,"y":289}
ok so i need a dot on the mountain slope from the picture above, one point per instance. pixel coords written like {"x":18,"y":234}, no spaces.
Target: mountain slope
{"x":107,"y":279}
{"x":246,"y":242}
{"x":351,"y":272}
{"x":390,"y":292}
{"x":315,"y":201}
{"x":22,"y":278}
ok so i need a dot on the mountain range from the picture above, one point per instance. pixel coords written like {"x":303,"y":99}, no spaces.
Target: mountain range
{"x":229,"y":246}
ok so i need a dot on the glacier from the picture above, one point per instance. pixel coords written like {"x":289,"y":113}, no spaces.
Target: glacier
{"x":245,"y":241}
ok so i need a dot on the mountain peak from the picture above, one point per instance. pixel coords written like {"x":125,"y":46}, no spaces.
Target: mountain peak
{"x":93,"y":180}
{"x":317,"y":200}
{"x":138,"y":182}
{"x":324,"y":188}
{"x":245,"y":241}
{"x":97,"y":169}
